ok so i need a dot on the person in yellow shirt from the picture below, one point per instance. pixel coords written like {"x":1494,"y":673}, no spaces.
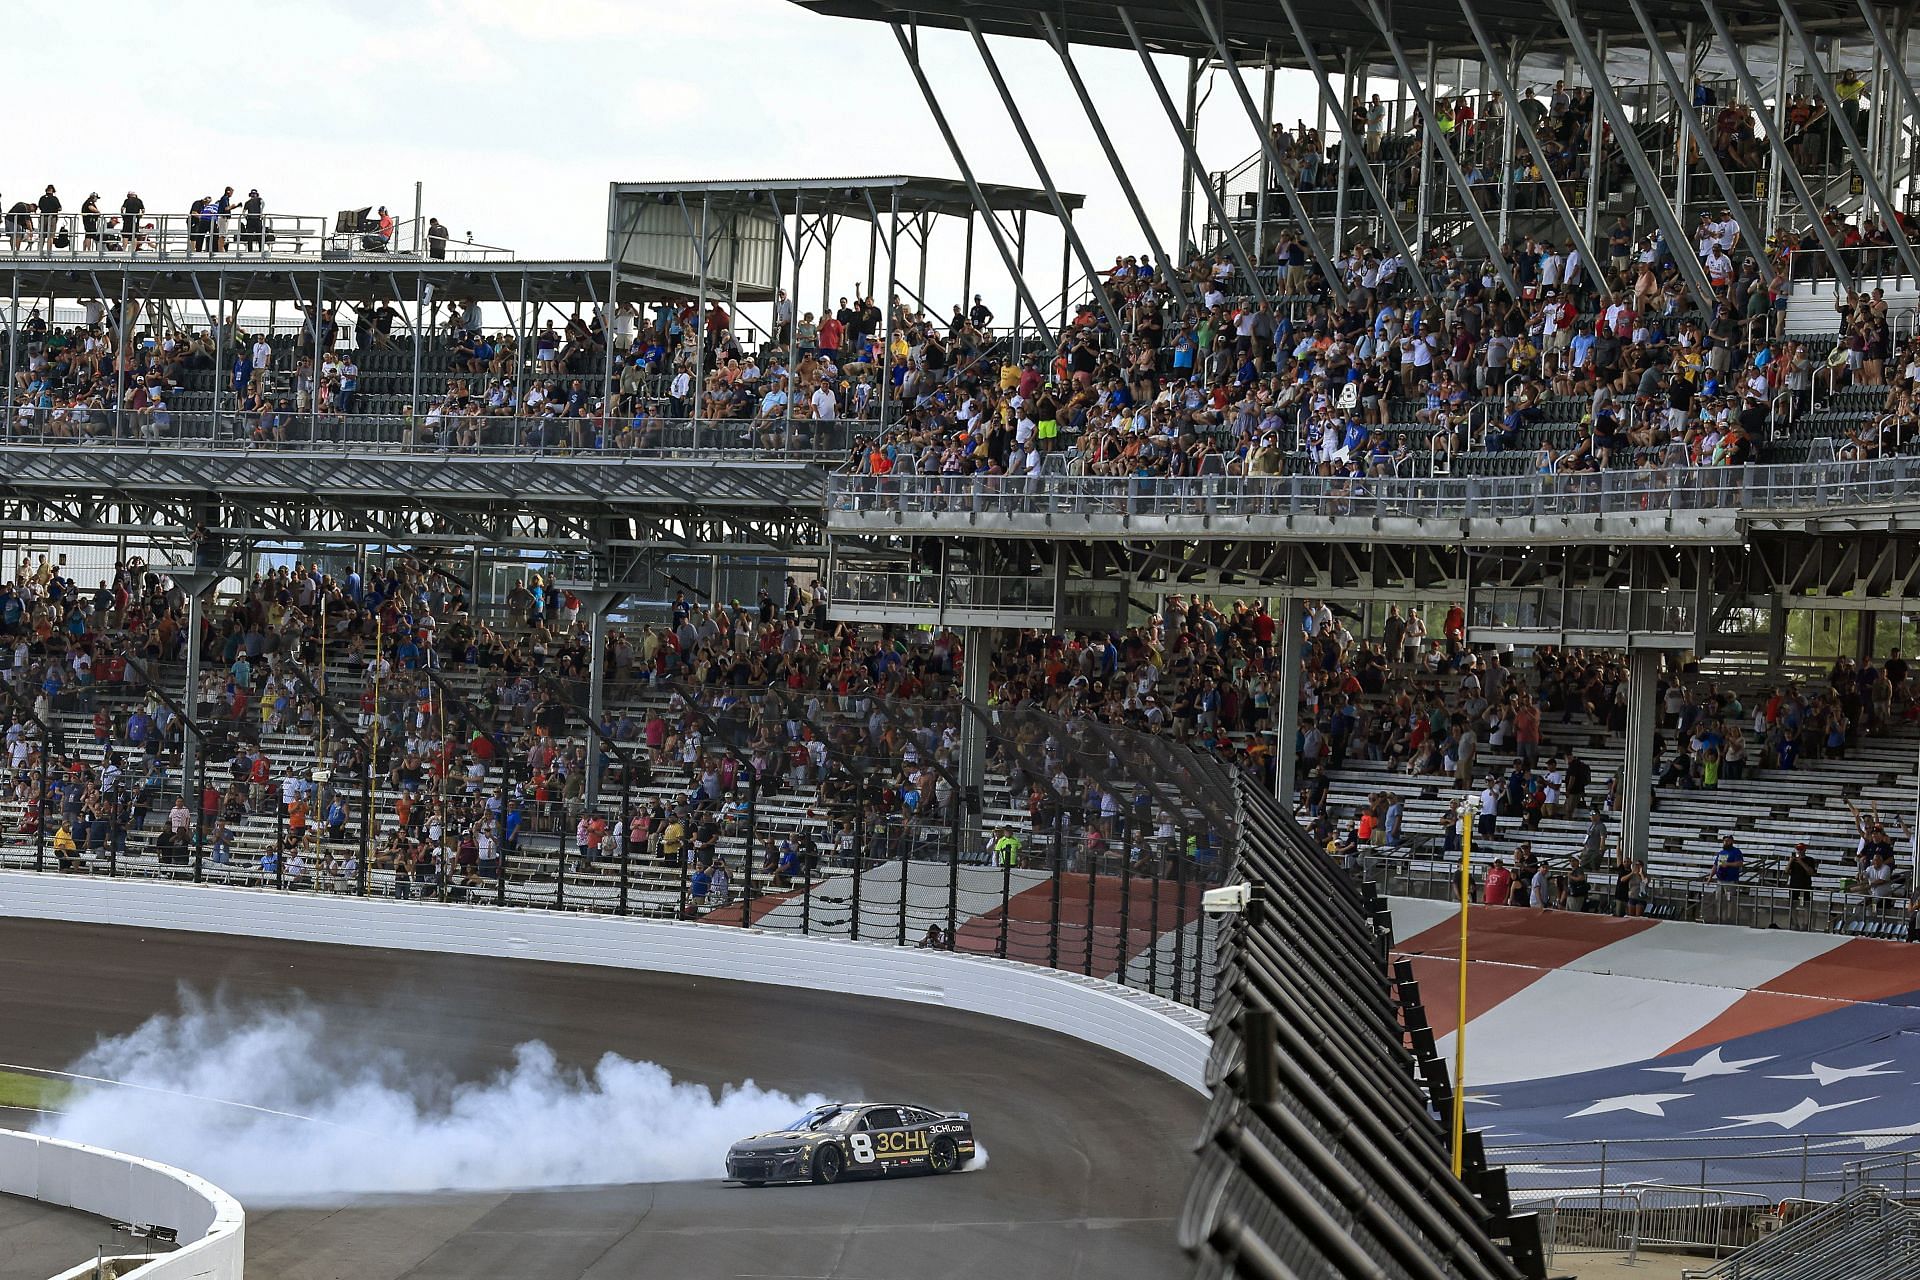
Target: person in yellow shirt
{"x":64,"y":848}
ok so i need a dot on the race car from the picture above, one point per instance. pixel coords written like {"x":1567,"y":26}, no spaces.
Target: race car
{"x":855,"y":1140}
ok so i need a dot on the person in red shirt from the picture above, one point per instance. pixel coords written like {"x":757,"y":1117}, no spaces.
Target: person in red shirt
{"x":1499,"y":886}
{"x":832,"y":333}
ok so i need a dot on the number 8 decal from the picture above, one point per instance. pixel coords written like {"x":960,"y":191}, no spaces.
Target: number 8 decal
{"x":862,"y":1146}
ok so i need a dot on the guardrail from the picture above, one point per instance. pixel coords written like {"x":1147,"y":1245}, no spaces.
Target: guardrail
{"x":165,"y":237}
{"x":209,"y":1223}
{"x":1676,"y":490}
{"x":288,"y":431}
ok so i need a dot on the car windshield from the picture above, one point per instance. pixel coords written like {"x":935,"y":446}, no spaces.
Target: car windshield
{"x":829,"y":1117}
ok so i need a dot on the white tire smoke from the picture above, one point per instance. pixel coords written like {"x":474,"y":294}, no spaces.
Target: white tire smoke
{"x":370,"y":1122}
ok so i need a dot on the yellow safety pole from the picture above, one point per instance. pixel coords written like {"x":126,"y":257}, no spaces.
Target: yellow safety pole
{"x":1460,"y":1027}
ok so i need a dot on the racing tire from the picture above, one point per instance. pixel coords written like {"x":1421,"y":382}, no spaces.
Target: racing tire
{"x":945,"y":1156}
{"x":828,"y":1164}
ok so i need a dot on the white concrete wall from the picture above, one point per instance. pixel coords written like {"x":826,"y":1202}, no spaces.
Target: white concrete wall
{"x":1158,"y":1033}
{"x":126,"y":1188}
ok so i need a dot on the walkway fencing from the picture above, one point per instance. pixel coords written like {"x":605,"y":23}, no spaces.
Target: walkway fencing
{"x":1735,"y":490}
{"x":292,"y":431}
{"x":1771,"y":1169}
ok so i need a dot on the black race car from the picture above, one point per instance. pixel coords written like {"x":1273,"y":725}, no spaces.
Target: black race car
{"x":854,"y":1139}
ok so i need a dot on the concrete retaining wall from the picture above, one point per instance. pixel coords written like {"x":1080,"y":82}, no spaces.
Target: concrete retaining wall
{"x":1158,"y":1033}
{"x":107,"y":1184}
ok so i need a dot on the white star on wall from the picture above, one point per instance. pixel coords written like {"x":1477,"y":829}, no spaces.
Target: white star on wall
{"x":1834,"y":1075}
{"x":1646,"y":1104}
{"x":1711,"y":1064}
{"x":1792,"y":1118}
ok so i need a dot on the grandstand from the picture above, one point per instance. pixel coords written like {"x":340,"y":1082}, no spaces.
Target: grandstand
{"x":1537,"y":426}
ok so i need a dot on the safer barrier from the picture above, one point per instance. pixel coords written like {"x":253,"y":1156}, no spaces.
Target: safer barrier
{"x":209,"y":1223}
{"x":1156,"y":1032}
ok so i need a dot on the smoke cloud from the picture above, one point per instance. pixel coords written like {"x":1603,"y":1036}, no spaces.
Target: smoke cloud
{"x":280,"y":1105}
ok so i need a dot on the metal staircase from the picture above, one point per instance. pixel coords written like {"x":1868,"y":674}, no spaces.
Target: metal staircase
{"x":1864,"y":1235}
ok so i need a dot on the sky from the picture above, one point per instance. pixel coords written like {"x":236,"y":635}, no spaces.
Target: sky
{"x":515,"y":114}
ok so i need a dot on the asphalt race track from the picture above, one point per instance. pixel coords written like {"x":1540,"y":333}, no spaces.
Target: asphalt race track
{"x":1089,"y":1153}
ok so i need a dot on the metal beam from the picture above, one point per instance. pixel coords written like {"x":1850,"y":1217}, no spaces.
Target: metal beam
{"x":911,"y":53}
{"x":1046,"y":178}
{"x":1271,"y":156}
{"x":1430,"y":120}
{"x":1679,"y":243}
{"x":1782,"y":158}
{"x":1349,"y":147}
{"x":1194,"y":166}
{"x":1756,"y":242}
{"x":1516,"y":120}
{"x":1869,"y":180}
{"x":1168,"y":272}
{"x":1896,"y":69}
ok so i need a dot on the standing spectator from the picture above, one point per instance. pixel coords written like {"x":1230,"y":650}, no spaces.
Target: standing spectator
{"x":90,"y":222}
{"x":132,"y":209}
{"x":49,"y":217}
{"x":1800,"y":871}
{"x":1725,"y":877}
{"x":436,"y":239}
{"x":253,"y":225}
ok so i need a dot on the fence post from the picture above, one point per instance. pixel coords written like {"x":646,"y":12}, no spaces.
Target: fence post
{"x":1092,"y":880}
{"x":1006,"y":898}
{"x":1179,"y":914}
{"x":1053,"y":928}
{"x":1603,"y":1166}
{"x":859,"y":842}
{"x":1126,"y":932}
{"x":905,"y":860}
{"x":1803,"y":1166}
{"x":953,"y":879}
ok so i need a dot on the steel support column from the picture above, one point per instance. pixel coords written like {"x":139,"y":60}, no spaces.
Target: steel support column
{"x":598,"y":605}
{"x":1517,"y":122}
{"x":1678,"y":242}
{"x":1169,"y":273}
{"x":1636,"y":777}
{"x":1287,"y":704}
{"x":976,"y":665}
{"x":1194,"y":166}
{"x":1596,"y":145}
{"x":1837,"y":116}
{"x":910,"y":51}
{"x":1270,"y":158}
{"x":1782,"y":158}
{"x":1756,"y":241}
{"x":1430,"y":120}
{"x":1423,"y":202}
{"x":1349,"y":144}
{"x":1040,"y":171}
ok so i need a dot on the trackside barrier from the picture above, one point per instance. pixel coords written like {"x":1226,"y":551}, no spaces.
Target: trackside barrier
{"x":1157,"y":1033}
{"x":210,"y":1224}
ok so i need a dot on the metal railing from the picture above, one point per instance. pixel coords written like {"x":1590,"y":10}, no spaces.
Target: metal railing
{"x":1673,"y":490}
{"x":169,"y":236}
{"x":1625,"y":1219}
{"x":295,"y":431}
{"x":1810,"y":1166}
{"x":1660,"y":610}
{"x":1866,"y":1235}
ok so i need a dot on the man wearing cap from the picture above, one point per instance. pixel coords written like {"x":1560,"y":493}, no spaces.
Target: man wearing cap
{"x":90,"y":221}
{"x":1800,"y":870}
{"x":253,"y":222}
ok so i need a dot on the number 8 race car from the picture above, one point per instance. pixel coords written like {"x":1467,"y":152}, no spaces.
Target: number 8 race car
{"x":854,"y":1139}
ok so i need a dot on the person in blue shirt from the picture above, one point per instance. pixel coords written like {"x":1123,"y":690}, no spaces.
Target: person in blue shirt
{"x":1725,"y":876}
{"x":1354,"y":439}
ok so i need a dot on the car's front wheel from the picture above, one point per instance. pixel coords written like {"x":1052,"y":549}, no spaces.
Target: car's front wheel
{"x":829,"y":1164}
{"x":945,"y":1156}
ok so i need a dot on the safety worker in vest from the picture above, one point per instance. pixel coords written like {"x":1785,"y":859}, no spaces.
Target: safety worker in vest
{"x":1006,"y":848}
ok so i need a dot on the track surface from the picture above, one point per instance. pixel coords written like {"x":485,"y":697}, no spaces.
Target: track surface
{"x":1088,"y":1150}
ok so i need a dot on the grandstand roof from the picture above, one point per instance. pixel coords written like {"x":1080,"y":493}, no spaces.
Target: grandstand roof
{"x":848,"y":196}
{"x":1258,"y":29}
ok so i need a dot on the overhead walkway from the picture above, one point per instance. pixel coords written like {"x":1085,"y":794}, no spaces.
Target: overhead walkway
{"x":1696,"y":505}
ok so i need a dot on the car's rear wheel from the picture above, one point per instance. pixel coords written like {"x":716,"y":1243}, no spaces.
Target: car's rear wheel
{"x":829,"y":1164}
{"x":945,"y":1156}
